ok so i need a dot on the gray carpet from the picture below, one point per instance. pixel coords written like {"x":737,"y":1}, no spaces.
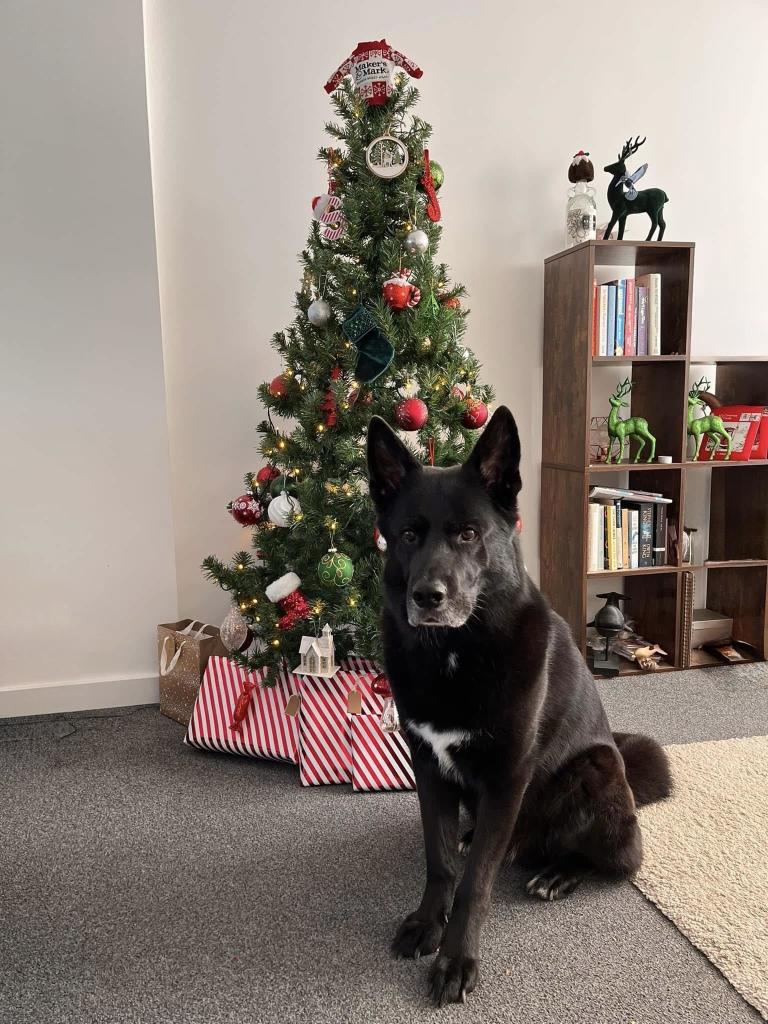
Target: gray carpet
{"x":141,"y":881}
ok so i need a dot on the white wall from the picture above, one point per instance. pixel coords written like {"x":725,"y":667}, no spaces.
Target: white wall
{"x":85,"y":518}
{"x":513,"y":90}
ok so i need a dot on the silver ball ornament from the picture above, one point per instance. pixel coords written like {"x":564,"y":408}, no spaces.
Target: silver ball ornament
{"x":319,"y":313}
{"x":416,"y":242}
{"x":282,"y":508}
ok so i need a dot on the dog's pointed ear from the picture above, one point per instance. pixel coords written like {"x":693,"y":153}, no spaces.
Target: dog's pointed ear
{"x":389,"y":462}
{"x":496,"y":459}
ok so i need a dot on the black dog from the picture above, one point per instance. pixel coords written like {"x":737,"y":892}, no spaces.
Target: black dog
{"x":500,"y":710}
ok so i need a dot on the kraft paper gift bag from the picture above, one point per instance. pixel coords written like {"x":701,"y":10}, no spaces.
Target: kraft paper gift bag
{"x":183,"y":650}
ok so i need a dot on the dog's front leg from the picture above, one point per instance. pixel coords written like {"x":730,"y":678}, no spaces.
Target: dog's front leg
{"x":422,"y":931}
{"x":455,"y":971}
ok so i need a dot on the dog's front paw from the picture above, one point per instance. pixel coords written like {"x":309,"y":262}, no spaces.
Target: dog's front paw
{"x":418,"y":936}
{"x":452,"y":978}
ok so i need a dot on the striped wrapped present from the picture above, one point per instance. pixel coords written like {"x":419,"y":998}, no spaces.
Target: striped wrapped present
{"x":380,"y":760}
{"x":341,"y":739}
{"x":235,"y":714}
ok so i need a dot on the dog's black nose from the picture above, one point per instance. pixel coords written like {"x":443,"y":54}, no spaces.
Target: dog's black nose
{"x":429,"y":595}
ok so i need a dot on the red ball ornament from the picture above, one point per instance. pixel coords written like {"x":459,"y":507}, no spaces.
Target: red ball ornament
{"x":411,"y":414}
{"x":267,"y":474}
{"x":246,"y":510}
{"x":381,"y":687}
{"x":278,"y":387}
{"x":457,"y":391}
{"x":475,"y":414}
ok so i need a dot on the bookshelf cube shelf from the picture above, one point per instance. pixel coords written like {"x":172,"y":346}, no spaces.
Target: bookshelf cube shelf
{"x":726,"y":501}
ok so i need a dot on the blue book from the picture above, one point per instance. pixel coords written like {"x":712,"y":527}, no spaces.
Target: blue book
{"x":610,"y":337}
{"x":621,"y":301}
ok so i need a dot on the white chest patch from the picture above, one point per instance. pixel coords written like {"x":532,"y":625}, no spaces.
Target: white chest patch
{"x":441,"y":742}
{"x":452,"y":663}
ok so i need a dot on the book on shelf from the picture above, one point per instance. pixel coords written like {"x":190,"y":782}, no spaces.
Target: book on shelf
{"x":602,"y":328}
{"x":598,"y":493}
{"x":621,"y":299}
{"x":626,"y":532}
{"x":610,"y":338}
{"x":595,"y":317}
{"x":628,"y":317}
{"x":641,"y":306}
{"x":653,"y":283}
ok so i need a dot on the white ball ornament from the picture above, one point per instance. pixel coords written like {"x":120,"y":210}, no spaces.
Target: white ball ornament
{"x":319,"y":313}
{"x":416,"y":242}
{"x":282,"y":508}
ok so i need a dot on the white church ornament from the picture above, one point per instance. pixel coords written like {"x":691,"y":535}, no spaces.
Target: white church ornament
{"x":318,"y":655}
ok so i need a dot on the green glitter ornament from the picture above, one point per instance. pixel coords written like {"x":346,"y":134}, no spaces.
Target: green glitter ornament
{"x":335,"y":569}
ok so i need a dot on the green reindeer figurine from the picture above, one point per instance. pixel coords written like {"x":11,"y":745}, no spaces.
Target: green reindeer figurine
{"x":621,"y":430}
{"x":710,"y":426}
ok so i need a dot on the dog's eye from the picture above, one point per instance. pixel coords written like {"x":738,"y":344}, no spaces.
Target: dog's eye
{"x":468,"y":534}
{"x":409,"y":536}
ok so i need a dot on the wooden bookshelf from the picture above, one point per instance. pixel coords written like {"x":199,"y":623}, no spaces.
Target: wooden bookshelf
{"x":736,"y":563}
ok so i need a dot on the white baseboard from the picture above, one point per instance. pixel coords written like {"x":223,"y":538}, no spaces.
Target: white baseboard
{"x":77,"y":695}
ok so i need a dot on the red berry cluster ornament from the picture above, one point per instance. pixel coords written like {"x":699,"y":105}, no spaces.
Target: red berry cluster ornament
{"x":246,"y":510}
{"x":411,"y":414}
{"x":451,"y":302}
{"x":475,"y":414}
{"x":294,"y":608}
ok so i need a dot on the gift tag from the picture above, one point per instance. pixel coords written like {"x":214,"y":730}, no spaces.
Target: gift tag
{"x":354,"y":702}
{"x":293,"y":705}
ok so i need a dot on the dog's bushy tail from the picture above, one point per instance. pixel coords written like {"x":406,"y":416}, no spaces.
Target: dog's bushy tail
{"x":646,"y":766}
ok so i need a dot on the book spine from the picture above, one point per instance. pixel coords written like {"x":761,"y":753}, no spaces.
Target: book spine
{"x":660,"y":535}
{"x":645,"y":551}
{"x":610,"y":341}
{"x":654,"y":315}
{"x":630,"y":319}
{"x":634,"y":521}
{"x":611,"y":525}
{"x":625,"y":539}
{"x":595,"y":540}
{"x":686,"y":619}
{"x":641,"y":304}
{"x":602,"y":335}
{"x":619,"y":535}
{"x":595,"y":317}
{"x":621,"y":295}
{"x":606,"y":558}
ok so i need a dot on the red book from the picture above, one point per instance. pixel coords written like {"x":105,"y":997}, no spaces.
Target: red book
{"x":595,"y":318}
{"x":630,"y":320}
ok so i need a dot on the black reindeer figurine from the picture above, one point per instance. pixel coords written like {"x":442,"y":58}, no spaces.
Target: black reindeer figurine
{"x":624,"y":198}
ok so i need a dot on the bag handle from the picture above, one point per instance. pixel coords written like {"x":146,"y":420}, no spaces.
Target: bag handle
{"x":190,"y":629}
{"x":165,"y":665}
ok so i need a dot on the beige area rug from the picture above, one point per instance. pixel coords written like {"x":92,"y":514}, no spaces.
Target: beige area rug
{"x":706,"y":857}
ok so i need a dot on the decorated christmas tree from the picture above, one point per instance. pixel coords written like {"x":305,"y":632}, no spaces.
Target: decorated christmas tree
{"x":378,"y":330}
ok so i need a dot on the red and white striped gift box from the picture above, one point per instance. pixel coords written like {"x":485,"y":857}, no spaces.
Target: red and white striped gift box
{"x":325,"y":749}
{"x":266,"y":730}
{"x":326,"y":740}
{"x":380,"y":760}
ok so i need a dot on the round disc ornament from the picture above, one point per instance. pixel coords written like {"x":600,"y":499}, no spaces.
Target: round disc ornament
{"x":335,"y":569}
{"x":319,"y":313}
{"x":387,"y":157}
{"x":416,"y":242}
